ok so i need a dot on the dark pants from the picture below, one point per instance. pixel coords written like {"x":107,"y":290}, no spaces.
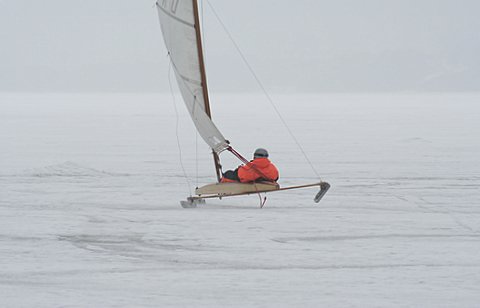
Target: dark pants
{"x":232,"y":175}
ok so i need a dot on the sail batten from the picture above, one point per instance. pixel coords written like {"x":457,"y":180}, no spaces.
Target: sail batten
{"x":177,"y":20}
{"x":175,"y":17}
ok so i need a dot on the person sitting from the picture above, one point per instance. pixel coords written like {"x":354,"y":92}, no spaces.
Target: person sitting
{"x":258,"y":169}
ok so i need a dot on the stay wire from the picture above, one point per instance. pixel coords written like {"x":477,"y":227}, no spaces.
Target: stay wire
{"x":202,"y":25}
{"x":196,"y":135}
{"x":177,"y":127}
{"x":262,"y":88}
{"x":196,"y":158}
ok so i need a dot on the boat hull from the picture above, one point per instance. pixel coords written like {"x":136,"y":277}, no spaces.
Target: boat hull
{"x":226,"y":189}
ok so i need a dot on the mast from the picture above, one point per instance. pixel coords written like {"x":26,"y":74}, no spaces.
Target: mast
{"x":203,"y":75}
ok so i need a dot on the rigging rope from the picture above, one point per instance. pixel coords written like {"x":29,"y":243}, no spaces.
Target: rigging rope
{"x":202,"y":27}
{"x":176,"y":126}
{"x":263,"y":88}
{"x":196,"y":135}
{"x":196,"y":157}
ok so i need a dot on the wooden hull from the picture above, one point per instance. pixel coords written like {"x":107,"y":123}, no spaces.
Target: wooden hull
{"x":227,"y":189}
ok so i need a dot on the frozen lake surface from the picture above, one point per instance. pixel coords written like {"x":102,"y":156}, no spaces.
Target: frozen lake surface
{"x":90,"y":217}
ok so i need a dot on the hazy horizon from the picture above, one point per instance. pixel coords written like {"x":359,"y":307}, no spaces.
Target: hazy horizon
{"x":308,"y":46}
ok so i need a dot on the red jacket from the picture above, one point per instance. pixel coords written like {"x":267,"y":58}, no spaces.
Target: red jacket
{"x":248,"y":173}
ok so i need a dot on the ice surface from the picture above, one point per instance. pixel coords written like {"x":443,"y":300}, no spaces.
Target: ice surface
{"x":90,"y":215}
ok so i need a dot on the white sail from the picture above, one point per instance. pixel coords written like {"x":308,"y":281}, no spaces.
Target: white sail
{"x":177,"y":21}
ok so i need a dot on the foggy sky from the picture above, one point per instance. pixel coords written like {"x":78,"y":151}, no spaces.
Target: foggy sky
{"x":303,"y":45}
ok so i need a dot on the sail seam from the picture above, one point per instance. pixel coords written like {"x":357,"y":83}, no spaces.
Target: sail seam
{"x":175,"y":17}
{"x":185,"y":79}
